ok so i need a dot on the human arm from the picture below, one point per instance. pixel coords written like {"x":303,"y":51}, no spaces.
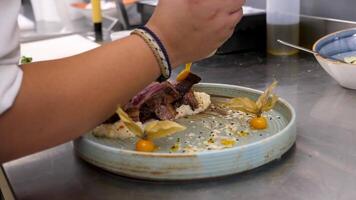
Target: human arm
{"x":61,"y":99}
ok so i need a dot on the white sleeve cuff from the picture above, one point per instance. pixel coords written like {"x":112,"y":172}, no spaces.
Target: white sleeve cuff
{"x":10,"y":83}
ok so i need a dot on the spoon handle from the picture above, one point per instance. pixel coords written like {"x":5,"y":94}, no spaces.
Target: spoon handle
{"x":296,"y":47}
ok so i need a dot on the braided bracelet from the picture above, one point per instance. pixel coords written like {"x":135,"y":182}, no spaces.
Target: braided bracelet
{"x":158,"y":50}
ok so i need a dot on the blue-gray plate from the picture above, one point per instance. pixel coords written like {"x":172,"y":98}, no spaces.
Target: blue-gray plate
{"x":250,"y":150}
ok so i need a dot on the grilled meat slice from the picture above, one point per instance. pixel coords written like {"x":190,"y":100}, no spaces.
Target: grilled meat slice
{"x":159,"y":100}
{"x":186,"y":85}
{"x":157,"y":105}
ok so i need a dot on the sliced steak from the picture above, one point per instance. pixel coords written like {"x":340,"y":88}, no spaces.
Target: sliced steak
{"x":189,"y":99}
{"x":159,"y":100}
{"x":157,"y":105}
{"x":165,"y":112}
{"x":186,"y":85}
{"x":185,"y":90}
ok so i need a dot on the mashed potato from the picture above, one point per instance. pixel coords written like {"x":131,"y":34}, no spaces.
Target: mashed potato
{"x":119,"y":131}
{"x":114,"y":131}
{"x":203,"y":101}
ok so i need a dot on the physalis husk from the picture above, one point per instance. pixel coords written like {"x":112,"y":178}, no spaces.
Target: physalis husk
{"x":264,"y":103}
{"x":152,"y":130}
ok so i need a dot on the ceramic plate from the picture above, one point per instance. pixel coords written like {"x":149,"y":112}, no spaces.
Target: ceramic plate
{"x":251,"y":148}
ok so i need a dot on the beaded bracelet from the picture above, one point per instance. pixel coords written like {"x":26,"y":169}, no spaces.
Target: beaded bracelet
{"x":158,"y":50}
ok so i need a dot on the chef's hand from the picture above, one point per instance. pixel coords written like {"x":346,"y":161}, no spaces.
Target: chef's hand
{"x":193,"y":29}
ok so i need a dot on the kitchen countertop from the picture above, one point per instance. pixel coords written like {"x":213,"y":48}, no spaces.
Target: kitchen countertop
{"x":322,"y":164}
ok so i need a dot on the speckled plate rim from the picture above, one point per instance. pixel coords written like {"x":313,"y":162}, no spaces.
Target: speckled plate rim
{"x":250,"y":145}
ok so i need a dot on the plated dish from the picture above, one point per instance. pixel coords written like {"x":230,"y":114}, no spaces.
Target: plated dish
{"x":216,"y":142}
{"x":157,"y":111}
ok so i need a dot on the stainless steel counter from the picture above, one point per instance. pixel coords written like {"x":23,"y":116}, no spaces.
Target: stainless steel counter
{"x":321,"y":166}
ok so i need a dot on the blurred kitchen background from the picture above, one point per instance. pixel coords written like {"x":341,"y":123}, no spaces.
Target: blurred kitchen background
{"x":42,"y":19}
{"x":341,"y":9}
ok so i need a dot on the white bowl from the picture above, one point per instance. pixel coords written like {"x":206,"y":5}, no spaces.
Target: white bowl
{"x":336,"y":46}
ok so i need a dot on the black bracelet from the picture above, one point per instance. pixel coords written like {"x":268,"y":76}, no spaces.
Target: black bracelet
{"x":164,"y":50}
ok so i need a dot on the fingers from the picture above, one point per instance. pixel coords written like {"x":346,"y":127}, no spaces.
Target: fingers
{"x":235,"y":18}
{"x":233,"y":6}
{"x":229,"y":24}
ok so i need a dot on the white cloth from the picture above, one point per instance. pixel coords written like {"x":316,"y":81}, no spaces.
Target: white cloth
{"x":10,"y":73}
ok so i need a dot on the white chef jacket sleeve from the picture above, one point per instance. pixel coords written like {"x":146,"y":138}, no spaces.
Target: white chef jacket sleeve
{"x":10,"y":73}
{"x":10,"y":82}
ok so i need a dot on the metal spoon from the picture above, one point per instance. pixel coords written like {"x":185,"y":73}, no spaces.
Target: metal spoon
{"x":306,"y":50}
{"x":297,"y":47}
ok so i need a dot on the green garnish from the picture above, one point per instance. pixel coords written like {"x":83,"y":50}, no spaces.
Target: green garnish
{"x":25,"y":60}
